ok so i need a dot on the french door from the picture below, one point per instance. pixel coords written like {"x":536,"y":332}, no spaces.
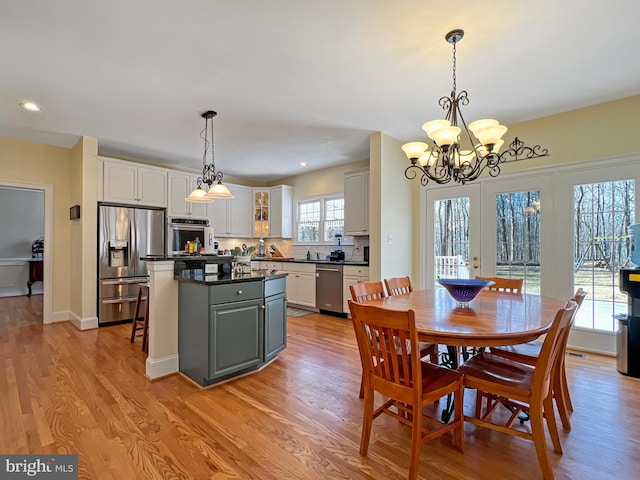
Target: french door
{"x":453,"y":233}
{"x":560,"y":228}
{"x":492,"y":228}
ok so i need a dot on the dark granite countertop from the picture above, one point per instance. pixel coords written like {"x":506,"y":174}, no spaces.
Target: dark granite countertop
{"x":229,"y":258}
{"x":164,"y":258}
{"x":304,"y":260}
{"x":197,"y":276}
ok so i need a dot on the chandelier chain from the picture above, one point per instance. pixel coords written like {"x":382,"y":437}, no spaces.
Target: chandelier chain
{"x":454,"y":69}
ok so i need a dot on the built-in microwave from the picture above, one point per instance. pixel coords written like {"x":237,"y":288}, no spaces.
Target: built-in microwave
{"x":183,"y":230}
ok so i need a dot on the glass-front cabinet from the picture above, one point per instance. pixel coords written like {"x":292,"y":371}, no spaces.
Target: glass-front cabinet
{"x":261,"y":213}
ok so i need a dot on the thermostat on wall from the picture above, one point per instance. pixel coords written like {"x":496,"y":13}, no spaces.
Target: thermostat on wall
{"x":74,"y":212}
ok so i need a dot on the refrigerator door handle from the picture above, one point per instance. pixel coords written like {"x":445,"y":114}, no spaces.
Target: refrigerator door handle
{"x":141,"y":281}
{"x":121,"y":300}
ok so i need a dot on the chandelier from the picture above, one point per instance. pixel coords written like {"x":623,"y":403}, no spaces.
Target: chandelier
{"x":448,"y":160}
{"x":209,"y":176}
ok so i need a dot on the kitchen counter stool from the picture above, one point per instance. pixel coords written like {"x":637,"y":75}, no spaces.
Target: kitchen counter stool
{"x":143,"y":296}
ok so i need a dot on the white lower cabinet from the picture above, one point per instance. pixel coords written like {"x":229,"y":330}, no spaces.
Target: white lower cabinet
{"x":301,"y":283}
{"x":351,"y":275}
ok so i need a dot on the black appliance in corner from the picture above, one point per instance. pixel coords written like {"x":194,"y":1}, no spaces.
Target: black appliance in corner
{"x":628,"y":337}
{"x":336,"y":256}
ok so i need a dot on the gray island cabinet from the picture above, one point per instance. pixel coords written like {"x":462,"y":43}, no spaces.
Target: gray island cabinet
{"x":230,"y":328}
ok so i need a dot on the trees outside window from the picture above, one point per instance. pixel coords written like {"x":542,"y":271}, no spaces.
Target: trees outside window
{"x":319,"y":220}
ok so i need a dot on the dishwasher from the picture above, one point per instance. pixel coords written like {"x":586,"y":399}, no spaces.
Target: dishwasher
{"x":329,"y":289}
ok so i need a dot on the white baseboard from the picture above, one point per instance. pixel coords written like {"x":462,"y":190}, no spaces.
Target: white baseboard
{"x":63,"y":316}
{"x":83,"y":323}
{"x":161,"y":367}
{"x":19,"y":291}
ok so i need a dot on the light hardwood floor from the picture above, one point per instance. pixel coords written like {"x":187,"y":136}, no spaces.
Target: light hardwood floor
{"x":67,"y":391}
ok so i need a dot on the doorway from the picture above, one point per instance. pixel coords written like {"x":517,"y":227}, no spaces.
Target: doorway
{"x":47,"y":309}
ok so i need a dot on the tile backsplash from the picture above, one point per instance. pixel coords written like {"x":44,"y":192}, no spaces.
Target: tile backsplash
{"x":352,"y":252}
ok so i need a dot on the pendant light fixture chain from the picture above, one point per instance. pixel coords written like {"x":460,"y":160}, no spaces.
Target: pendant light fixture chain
{"x":209,"y":176}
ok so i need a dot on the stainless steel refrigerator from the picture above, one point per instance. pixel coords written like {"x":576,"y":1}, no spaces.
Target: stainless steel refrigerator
{"x":125,"y":234}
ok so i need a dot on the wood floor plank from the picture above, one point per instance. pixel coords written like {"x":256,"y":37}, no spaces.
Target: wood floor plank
{"x":68,"y":391}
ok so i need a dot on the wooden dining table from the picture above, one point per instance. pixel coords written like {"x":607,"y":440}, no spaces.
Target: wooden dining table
{"x":491,"y":319}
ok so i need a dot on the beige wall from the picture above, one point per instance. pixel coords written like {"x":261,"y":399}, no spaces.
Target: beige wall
{"x":390,"y":206}
{"x":321,"y":182}
{"x":600,"y":131}
{"x":37,"y":163}
{"x":83,"y":232}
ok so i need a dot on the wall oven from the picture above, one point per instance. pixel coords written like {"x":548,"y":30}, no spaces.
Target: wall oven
{"x":183,"y":230}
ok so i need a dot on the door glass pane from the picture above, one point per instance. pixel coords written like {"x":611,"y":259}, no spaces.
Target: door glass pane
{"x":451,"y":241}
{"x":518,"y":238}
{"x":602,"y":213}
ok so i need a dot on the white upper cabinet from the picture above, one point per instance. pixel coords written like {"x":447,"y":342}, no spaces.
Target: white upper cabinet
{"x":261,"y":212}
{"x":281,"y":211}
{"x":180,"y":186}
{"x":100,"y":190}
{"x":128,"y":182}
{"x":272,"y":210}
{"x":232,"y":218}
{"x":356,"y":203}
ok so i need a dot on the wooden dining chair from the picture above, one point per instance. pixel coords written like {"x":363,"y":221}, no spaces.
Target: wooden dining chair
{"x":401,"y":286}
{"x":398,"y":286}
{"x":501,"y":381}
{"x":408,"y":383}
{"x":529,"y":353}
{"x":365,"y":291}
{"x":501,"y":284}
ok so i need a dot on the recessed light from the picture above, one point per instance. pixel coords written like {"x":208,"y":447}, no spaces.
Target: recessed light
{"x":303,"y":164}
{"x":32,"y":107}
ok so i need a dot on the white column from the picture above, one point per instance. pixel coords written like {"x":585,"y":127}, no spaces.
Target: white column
{"x":163,"y":320}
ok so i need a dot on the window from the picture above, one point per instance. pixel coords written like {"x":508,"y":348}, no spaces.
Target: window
{"x":602,"y":214}
{"x":320,"y":219}
{"x":518,"y":238}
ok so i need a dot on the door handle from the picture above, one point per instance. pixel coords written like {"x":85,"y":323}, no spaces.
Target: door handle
{"x":121,"y":300}
{"x":126,"y":282}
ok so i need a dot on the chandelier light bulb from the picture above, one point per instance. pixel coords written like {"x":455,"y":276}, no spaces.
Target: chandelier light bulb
{"x":433,"y":125}
{"x":491,"y":135}
{"x":219,"y":191}
{"x":198,"y":196}
{"x":483,"y":123}
{"x":414,"y":150}
{"x":427,"y":159}
{"x":445,"y":136}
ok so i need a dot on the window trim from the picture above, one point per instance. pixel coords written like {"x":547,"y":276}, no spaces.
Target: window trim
{"x":322,"y":199}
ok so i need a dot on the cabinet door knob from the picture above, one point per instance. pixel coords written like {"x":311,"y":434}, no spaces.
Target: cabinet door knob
{"x":239,"y":292}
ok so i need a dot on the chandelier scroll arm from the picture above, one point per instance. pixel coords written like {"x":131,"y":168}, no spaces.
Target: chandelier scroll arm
{"x":519,"y":151}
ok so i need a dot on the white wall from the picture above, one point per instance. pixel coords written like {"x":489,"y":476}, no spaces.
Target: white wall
{"x":22,"y":221}
{"x":390,"y":210}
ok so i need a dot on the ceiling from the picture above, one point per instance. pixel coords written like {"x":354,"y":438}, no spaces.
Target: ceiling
{"x":297,"y":81}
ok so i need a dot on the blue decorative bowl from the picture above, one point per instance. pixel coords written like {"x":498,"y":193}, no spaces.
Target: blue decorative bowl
{"x":464,"y":290}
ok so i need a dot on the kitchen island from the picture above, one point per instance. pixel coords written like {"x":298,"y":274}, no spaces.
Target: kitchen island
{"x":229,"y":325}
{"x":179,"y":285}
